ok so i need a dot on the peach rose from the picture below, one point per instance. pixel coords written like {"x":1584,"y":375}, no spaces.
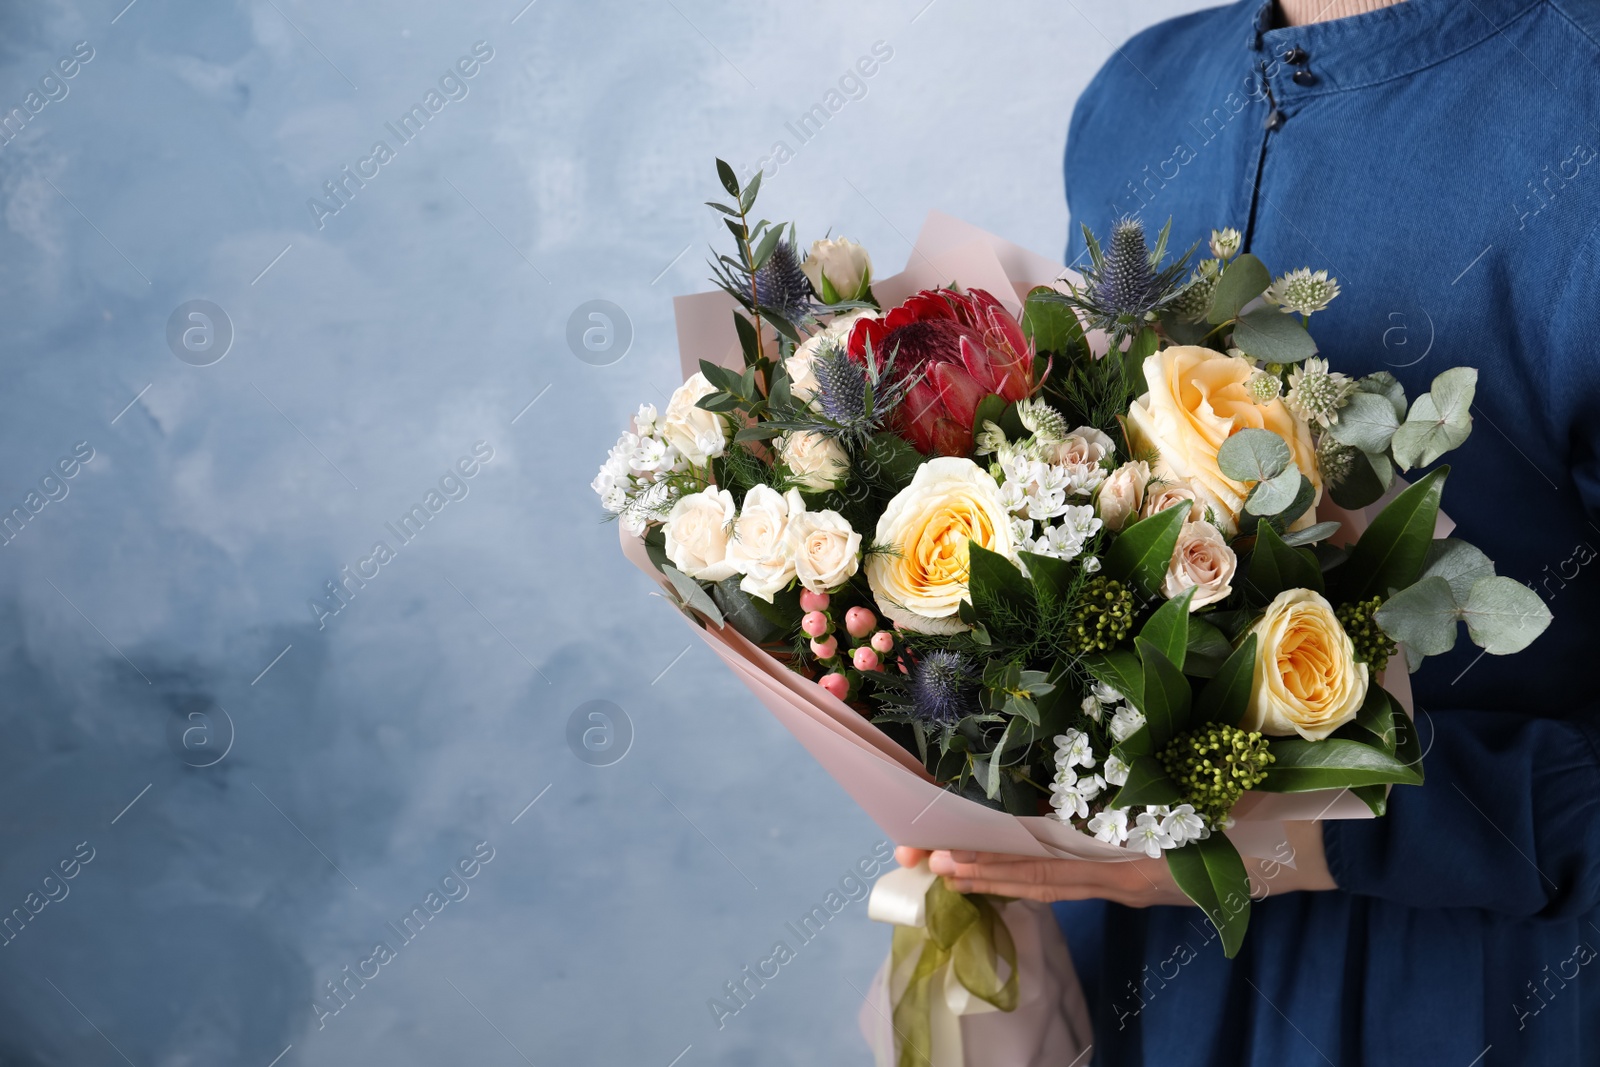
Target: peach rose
{"x":1307,"y":679}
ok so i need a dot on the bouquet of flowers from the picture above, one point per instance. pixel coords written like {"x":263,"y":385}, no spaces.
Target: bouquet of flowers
{"x":1113,"y":561}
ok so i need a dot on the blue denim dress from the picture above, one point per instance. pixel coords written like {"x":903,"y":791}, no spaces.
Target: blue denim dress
{"x":1441,"y":158}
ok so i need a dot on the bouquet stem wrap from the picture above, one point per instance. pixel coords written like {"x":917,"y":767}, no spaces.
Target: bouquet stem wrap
{"x":942,"y":984}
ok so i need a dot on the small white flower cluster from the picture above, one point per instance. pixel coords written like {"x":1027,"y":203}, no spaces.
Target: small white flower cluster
{"x":1154,"y":830}
{"x":1042,"y":474}
{"x":633,"y":482}
{"x":1071,"y":792}
{"x":630,"y":481}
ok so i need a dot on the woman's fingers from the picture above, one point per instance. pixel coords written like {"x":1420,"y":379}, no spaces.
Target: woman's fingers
{"x":907,"y":856}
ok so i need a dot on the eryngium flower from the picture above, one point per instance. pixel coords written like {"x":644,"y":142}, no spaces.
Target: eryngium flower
{"x":1302,"y":291}
{"x":944,"y":688}
{"x":781,"y":285}
{"x":854,"y":400}
{"x":1125,"y":285}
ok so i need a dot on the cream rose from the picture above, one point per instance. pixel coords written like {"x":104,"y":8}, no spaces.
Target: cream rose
{"x":760,"y":548}
{"x":800,"y":367}
{"x":815,"y":461}
{"x":696,"y":433}
{"x":826,"y":550}
{"x":1307,"y":680}
{"x":921,"y":578}
{"x":839,"y":269}
{"x":697,"y":531}
{"x":1122,"y":493}
{"x":1197,"y":399}
{"x":1202,"y":561}
{"x":1163,"y":495}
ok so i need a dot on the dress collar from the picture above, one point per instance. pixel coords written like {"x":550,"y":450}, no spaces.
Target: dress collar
{"x":1376,"y":46}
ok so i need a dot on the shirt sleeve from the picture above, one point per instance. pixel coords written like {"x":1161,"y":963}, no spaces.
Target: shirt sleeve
{"x":1509,"y":818}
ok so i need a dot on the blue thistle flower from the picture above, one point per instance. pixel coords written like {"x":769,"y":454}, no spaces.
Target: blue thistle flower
{"x":853,"y":401}
{"x":841,"y":385}
{"x":944,"y":688}
{"x":782,"y":286}
{"x":1126,"y":280}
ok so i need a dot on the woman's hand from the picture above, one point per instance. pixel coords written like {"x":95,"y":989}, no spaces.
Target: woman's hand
{"x":1139,"y":883}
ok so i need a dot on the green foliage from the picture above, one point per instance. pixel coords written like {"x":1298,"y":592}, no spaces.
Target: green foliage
{"x":1393,"y":550}
{"x":1167,"y":696}
{"x":1050,"y":323}
{"x":1142,"y":552}
{"x":1253,"y":455}
{"x":1167,"y":628}
{"x":1242,"y":281}
{"x":1440,"y":419}
{"x":1102,"y":617}
{"x":1212,"y":875}
{"x":1275,"y":567}
{"x":1300,"y":766}
{"x":1148,"y":783}
{"x":1502,"y":615}
{"x":691,"y":597}
{"x":1272,"y":336}
{"x":1226,"y":698}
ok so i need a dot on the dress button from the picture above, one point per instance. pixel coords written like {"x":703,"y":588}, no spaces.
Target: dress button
{"x":1295,"y":56}
{"x":1274,"y":120}
{"x":1304,"y":77}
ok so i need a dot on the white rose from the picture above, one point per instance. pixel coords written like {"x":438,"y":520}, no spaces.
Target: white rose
{"x":826,"y":550}
{"x":696,"y":433}
{"x":921,"y":580}
{"x":697,"y":534}
{"x":1122,"y":494}
{"x":1202,"y":561}
{"x":760,"y":548}
{"x":800,"y":367}
{"x":839,"y":269}
{"x":816,"y":461}
{"x":1165,"y":494}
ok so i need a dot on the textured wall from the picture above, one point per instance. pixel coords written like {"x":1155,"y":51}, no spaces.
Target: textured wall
{"x":155,"y":612}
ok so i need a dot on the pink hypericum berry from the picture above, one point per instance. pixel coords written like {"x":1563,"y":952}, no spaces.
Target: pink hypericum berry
{"x":860,"y":621}
{"x":837,"y":684}
{"x":814,"y":624}
{"x":810,"y":601}
{"x":827,"y":648}
{"x":865,"y":659}
{"x":883,"y":641}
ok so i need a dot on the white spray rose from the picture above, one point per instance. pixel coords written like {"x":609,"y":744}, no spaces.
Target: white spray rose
{"x":816,"y":461}
{"x":697,"y":434}
{"x":760,"y":547}
{"x":839,"y":269}
{"x":826,"y":550}
{"x":1122,"y":493}
{"x":697,"y":530}
{"x":1202,"y":561}
{"x":1165,"y":494}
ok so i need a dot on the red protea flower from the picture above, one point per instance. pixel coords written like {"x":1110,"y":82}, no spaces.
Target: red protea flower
{"x":960,"y":347}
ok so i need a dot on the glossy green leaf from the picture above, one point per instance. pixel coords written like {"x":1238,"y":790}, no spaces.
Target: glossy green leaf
{"x":1144,"y":343}
{"x":1300,"y":766}
{"x":1208,"y":649}
{"x":1148,"y":783}
{"x":993,"y":577}
{"x":1142,"y":552}
{"x":1211,"y":874}
{"x":1392,"y":551}
{"x":1167,"y":696}
{"x":1168,"y":627}
{"x":1275,"y":566}
{"x":1051,"y":324}
{"x":1121,"y":670}
{"x":1225,"y":698}
{"x":1318,"y":532}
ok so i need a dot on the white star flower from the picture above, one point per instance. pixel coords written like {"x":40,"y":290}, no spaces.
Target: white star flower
{"x":1126,"y":722}
{"x":1183,"y":825}
{"x":1148,"y":836}
{"x":1116,"y":771}
{"x":1110,"y":826}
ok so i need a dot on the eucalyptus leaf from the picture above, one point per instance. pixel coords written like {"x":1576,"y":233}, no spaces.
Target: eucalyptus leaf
{"x":1423,"y":616}
{"x":1385,"y":385}
{"x":692,"y":596}
{"x":1439,"y":420}
{"x":1458,"y":563}
{"x":1144,"y":343}
{"x":1272,"y":336}
{"x":1242,"y":281}
{"x":1275,"y":495}
{"x":1254,"y":455}
{"x":1367,"y":421}
{"x":726,"y":176}
{"x":1503,"y":615}
{"x":747,"y":198}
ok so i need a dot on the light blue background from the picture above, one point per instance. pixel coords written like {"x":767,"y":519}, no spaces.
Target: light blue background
{"x":422,"y":318}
